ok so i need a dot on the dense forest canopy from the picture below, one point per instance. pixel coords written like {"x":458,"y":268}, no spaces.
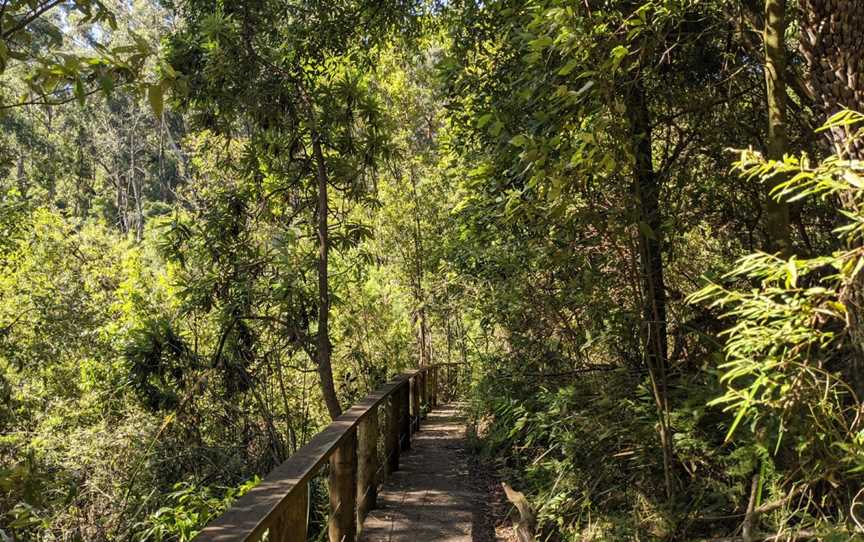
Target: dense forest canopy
{"x":638,"y":223}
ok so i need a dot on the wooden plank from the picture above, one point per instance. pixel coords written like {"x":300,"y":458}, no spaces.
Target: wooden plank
{"x":391,"y":438}
{"x":367,"y":465}
{"x":405,"y":417}
{"x":342,"y":526}
{"x":251,"y":515}
{"x":418,"y":406}
{"x":424,"y":392}
{"x":292,"y":525}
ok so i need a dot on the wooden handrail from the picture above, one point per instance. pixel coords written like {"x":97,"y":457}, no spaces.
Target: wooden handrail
{"x":278,"y":504}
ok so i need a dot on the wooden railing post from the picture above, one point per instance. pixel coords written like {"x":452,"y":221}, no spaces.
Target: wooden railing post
{"x":367,"y":465}
{"x":415,"y":403}
{"x":435,"y":387}
{"x":405,"y":416}
{"x":412,"y":390}
{"x":278,"y":508}
{"x":292,"y":525}
{"x":424,"y":397}
{"x":391,"y":438}
{"x":424,"y":389}
{"x":343,"y":490}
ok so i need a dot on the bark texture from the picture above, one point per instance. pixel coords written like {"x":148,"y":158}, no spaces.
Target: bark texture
{"x":646,"y":192}
{"x":775,"y":87}
{"x":325,"y":368}
{"x":832,"y":42}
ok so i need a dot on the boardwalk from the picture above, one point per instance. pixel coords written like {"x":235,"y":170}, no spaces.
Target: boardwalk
{"x":431,"y":497}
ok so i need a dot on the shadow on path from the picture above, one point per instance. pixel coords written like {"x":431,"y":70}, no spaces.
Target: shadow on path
{"x":431,"y":497}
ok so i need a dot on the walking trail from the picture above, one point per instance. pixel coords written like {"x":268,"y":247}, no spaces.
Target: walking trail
{"x":431,"y":497}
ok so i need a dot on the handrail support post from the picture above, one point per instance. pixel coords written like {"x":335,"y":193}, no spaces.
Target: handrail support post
{"x":343,"y":490}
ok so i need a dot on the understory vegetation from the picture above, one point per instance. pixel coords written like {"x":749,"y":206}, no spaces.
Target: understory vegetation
{"x":638,"y":225}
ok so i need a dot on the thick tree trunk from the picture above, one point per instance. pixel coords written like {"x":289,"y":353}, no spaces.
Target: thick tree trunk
{"x":831,"y":41}
{"x":646,"y":192}
{"x":775,"y":86}
{"x":325,"y":369}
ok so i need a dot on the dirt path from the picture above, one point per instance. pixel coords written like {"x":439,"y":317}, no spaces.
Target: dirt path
{"x":432,"y":497}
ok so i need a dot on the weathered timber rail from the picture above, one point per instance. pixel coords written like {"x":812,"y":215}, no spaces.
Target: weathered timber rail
{"x":278,"y":506}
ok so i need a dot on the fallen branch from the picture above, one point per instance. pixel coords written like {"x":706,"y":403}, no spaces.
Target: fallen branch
{"x":525,"y":525}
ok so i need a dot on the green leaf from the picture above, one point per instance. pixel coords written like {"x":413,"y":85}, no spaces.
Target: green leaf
{"x":791,"y":273}
{"x":156,"y":95}
{"x":4,"y":55}
{"x":79,"y":91}
{"x":569,"y":67}
{"x":741,"y":412}
{"x":106,"y":83}
{"x":646,"y":230}
{"x":519,"y":141}
{"x":618,"y":54}
{"x":540,"y":43}
{"x":532,"y":58}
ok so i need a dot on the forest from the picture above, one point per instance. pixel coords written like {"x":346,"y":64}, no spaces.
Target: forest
{"x":637,"y":224}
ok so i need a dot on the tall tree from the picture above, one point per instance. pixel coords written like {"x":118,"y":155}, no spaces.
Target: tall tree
{"x":294,"y":91}
{"x":774,"y":38}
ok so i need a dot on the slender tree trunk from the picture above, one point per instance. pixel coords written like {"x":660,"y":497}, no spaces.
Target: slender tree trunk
{"x":21,"y":177}
{"x":136,"y":189}
{"x":775,"y":67}
{"x":323,"y":350}
{"x":325,"y":369}
{"x":122,"y":207}
{"x":646,"y":191}
{"x":449,"y":341}
{"x":463,"y":340}
{"x":418,"y":271}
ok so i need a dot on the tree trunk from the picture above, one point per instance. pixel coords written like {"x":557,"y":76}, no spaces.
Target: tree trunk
{"x":646,"y":192}
{"x":122,"y":205}
{"x":21,"y":177}
{"x":418,"y":285}
{"x":775,"y":86}
{"x":325,"y":369}
{"x":133,"y":185}
{"x":832,"y":45}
